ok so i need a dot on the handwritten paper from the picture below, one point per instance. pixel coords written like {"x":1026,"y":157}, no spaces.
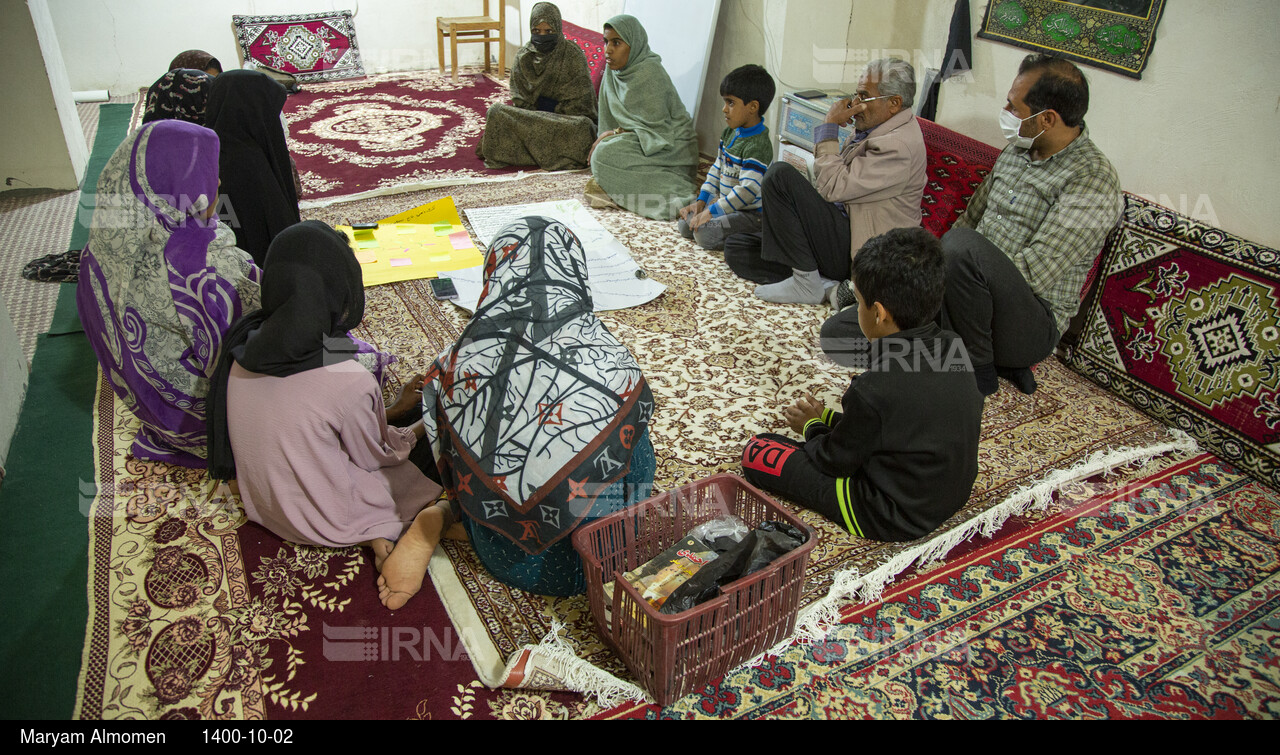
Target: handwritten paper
{"x":611,"y":272}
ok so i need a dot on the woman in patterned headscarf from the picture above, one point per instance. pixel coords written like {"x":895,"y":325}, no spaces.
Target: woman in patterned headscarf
{"x":180,"y":94}
{"x":160,"y":283}
{"x":198,"y":60}
{"x":551,"y":121}
{"x":538,"y":417}
{"x":645,"y":157}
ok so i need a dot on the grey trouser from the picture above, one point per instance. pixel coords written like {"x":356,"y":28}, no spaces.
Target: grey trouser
{"x":711,"y":235}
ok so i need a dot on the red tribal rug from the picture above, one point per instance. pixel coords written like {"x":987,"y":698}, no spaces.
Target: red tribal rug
{"x":1159,"y":600}
{"x":592,"y":43}
{"x":388,"y":131}
{"x":1186,"y":326}
{"x":956,"y":166}
{"x":310,"y":46}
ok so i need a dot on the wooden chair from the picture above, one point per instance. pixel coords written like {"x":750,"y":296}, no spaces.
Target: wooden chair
{"x":465,"y":29}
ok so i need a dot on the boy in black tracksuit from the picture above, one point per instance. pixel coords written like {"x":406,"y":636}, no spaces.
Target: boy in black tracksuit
{"x":903,"y":455}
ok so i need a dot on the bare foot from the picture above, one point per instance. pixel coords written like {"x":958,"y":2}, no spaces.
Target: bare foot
{"x":404,"y":569}
{"x":456,"y":532}
{"x":381,"y":549}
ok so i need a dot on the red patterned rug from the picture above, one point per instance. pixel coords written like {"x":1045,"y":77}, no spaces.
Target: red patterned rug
{"x":592,"y":43}
{"x":388,"y":131}
{"x":1161,"y":600}
{"x":956,"y":165}
{"x":195,"y":614}
{"x":1186,"y":326}
{"x":310,"y":46}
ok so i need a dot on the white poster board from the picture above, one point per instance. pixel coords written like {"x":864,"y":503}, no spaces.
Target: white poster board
{"x":615,"y":280}
{"x":681,"y":32}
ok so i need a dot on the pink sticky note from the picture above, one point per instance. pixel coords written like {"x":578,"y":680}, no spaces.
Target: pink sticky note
{"x":400,"y":261}
{"x":461,"y":240}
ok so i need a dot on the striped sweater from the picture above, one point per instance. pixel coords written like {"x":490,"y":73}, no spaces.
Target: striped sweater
{"x":734,"y":181}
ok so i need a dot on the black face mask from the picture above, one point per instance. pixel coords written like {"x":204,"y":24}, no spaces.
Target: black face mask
{"x":544,"y":43}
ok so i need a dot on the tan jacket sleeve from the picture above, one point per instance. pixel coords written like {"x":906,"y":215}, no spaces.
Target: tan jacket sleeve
{"x":877,"y":168}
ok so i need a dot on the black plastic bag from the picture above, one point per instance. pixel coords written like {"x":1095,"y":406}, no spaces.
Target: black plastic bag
{"x":757,"y":550}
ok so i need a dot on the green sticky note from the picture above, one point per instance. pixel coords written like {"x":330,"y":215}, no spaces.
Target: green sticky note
{"x":370,"y":244}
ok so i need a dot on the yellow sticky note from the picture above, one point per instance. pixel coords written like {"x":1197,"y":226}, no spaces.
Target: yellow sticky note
{"x":442,"y":210}
{"x":365,"y":258}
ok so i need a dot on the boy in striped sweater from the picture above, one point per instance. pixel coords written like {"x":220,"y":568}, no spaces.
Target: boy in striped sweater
{"x":729,"y":202}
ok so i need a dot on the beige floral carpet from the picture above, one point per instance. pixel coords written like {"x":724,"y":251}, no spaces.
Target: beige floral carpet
{"x":194,"y":613}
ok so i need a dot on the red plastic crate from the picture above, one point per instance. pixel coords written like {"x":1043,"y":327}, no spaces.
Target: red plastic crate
{"x":673,"y":655}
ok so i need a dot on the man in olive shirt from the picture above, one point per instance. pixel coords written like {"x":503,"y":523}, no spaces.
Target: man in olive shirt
{"x":1018,"y":257}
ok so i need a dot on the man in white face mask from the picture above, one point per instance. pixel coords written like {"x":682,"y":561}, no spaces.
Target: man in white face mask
{"x":1019,"y":255}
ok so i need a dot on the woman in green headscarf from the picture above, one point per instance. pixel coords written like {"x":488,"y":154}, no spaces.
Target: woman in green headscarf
{"x":647,"y":152}
{"x":551,"y":121}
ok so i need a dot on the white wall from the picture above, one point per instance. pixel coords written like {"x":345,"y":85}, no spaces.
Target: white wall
{"x":41,"y":143}
{"x":122,"y":45}
{"x":739,"y":40}
{"x":1200,"y":132}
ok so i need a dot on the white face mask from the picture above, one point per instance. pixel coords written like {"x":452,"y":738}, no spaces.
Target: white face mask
{"x":1011,"y":124}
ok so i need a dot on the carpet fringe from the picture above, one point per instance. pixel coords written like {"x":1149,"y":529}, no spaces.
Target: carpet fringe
{"x":581,"y":676}
{"x":386,"y":191}
{"x":815,"y":622}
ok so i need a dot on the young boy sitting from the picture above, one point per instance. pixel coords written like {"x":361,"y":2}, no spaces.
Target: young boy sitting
{"x":903,"y":455}
{"x":729,"y":202}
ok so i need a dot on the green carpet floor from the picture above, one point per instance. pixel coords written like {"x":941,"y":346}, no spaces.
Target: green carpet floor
{"x":45,"y":498}
{"x":113,"y":124}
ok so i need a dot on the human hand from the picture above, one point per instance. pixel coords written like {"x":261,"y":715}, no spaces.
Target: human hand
{"x":692,"y":209}
{"x":410,"y":395}
{"x":594,"y":144}
{"x":843,"y":111}
{"x":804,"y":409}
{"x":599,"y":139}
{"x":700,"y":219}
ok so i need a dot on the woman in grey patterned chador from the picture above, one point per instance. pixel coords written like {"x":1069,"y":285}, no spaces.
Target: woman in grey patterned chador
{"x":551,"y":122}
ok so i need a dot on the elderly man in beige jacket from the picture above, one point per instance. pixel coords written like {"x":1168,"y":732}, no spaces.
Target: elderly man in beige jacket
{"x":870,"y":185}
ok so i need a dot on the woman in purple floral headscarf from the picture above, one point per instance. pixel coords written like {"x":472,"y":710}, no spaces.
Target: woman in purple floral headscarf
{"x":161,"y":280}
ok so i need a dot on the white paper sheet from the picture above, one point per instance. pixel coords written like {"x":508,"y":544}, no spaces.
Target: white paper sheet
{"x":611,"y":271}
